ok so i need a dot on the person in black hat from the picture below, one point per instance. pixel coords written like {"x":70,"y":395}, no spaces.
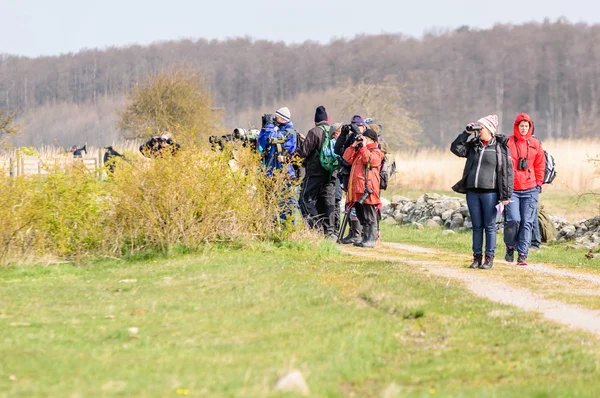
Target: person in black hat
{"x":317,"y":191}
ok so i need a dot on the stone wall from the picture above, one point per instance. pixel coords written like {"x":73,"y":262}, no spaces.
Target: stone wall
{"x":451,"y":213}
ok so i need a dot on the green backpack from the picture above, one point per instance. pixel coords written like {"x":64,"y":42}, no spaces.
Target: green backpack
{"x":329,"y":160}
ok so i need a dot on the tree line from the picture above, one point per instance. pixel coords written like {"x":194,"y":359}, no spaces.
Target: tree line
{"x":550,"y":70}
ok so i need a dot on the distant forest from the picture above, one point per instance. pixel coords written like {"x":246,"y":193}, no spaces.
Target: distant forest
{"x":550,"y":70}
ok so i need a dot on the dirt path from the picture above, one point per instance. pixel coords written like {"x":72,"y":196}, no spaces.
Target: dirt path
{"x":483,"y":284}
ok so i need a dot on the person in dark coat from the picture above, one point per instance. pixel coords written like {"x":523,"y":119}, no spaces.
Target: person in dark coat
{"x":487,"y":180}
{"x":317,"y":191}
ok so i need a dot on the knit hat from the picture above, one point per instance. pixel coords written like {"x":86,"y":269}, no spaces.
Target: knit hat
{"x":490,"y":122}
{"x":371,"y":134}
{"x":320,"y":114}
{"x":334,"y":127}
{"x":284,"y":113}
{"x":356,"y":119}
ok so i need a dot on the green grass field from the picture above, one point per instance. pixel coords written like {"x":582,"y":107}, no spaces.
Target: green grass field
{"x":229,"y":322}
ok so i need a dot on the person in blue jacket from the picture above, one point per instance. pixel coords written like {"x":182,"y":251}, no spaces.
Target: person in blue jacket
{"x":277,"y":142}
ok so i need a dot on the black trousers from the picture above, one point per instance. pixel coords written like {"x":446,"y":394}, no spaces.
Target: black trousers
{"x":338,"y":201}
{"x":367,"y":214}
{"x":317,"y":202}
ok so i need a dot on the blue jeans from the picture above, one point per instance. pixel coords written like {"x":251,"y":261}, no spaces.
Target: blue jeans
{"x":536,"y":234}
{"x":522,"y":211}
{"x":482,"y":208}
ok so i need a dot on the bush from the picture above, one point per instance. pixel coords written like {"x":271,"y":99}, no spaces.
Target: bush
{"x":160,"y":204}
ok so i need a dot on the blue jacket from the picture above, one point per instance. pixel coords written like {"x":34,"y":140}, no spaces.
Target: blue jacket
{"x":288,"y":147}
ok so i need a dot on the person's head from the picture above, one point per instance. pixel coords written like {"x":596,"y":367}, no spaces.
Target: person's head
{"x":336,"y":130}
{"x":523,"y":126}
{"x":360,"y":123}
{"x":283,"y":116}
{"x":370,"y":136}
{"x":488,"y":124}
{"x":321,"y":115}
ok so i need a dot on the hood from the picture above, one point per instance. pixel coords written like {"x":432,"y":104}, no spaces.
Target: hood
{"x":519,"y":119}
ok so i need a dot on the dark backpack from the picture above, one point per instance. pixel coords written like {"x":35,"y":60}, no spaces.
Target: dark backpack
{"x":550,"y":172}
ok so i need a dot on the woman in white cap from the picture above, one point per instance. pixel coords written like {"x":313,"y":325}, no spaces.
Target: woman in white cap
{"x":487,"y":180}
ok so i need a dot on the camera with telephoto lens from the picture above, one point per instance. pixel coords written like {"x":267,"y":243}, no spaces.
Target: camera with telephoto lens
{"x":522,"y":164}
{"x":245,"y":135}
{"x":365,"y":195}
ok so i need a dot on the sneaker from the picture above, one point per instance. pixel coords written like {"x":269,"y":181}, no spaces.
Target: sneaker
{"x":522,"y":260}
{"x":510,"y":254}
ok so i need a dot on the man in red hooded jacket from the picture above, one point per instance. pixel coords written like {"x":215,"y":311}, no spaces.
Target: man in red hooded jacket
{"x":529,"y":164}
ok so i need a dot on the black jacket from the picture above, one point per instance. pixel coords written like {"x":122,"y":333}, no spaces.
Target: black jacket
{"x":309,"y":150}
{"x":488,"y":167}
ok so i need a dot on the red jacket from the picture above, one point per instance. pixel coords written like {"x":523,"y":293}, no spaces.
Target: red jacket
{"x":527,"y":147}
{"x":356,"y":184}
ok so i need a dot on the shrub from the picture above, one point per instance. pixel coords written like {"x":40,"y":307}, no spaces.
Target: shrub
{"x":160,"y":204}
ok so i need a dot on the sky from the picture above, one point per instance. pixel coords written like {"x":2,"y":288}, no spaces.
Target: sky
{"x":51,"y":27}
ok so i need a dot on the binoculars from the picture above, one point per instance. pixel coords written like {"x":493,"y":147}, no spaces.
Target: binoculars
{"x":522,"y":165}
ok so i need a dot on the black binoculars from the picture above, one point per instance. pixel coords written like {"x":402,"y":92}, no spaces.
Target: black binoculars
{"x":522,"y":164}
{"x":473,"y":127}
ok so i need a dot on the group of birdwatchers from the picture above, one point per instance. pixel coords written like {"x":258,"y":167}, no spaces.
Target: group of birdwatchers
{"x":335,"y":158}
{"x":503,"y":176}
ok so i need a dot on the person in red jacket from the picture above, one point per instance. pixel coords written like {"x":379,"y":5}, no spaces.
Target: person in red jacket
{"x":363,"y":186}
{"x":529,"y":164}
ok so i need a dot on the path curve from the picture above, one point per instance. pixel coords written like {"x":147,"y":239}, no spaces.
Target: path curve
{"x":483,"y":284}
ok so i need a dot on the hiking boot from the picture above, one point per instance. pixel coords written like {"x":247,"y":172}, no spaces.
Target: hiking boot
{"x":476,"y":261}
{"x":522,"y":259}
{"x":370,"y":237}
{"x":355,"y":234}
{"x":510,"y":254}
{"x":488,"y":263}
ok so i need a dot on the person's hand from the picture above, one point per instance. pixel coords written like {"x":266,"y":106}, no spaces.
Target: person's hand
{"x":539,"y":189}
{"x":505,"y":202}
{"x":280,"y":158}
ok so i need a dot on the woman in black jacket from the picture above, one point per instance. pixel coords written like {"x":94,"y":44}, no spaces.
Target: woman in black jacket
{"x":487,"y":180}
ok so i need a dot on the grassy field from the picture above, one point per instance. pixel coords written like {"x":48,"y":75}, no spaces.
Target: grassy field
{"x":229,"y":322}
{"x":438,"y":169}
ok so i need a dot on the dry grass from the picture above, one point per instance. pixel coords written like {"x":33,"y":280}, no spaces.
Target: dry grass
{"x":439,"y":169}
